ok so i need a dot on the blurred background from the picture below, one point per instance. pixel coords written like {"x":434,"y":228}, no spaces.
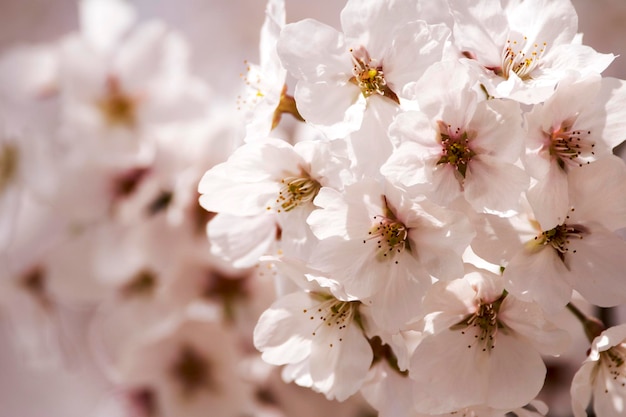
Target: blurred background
{"x":222,"y":34}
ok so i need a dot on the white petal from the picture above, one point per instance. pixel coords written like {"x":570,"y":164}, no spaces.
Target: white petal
{"x":340,"y":362}
{"x":241,"y":240}
{"x":284,"y":332}
{"x":580,"y":390}
{"x":539,"y":275}
{"x":529,"y":321}
{"x":597,"y":263}
{"x":103,"y":22}
{"x":494,"y":186}
{"x":516,"y":373}
{"x":313,"y":51}
{"x":549,"y":198}
{"x":448,"y":382}
{"x":335,"y":109}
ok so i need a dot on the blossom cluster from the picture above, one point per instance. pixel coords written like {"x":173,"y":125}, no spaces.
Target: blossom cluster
{"x":397,"y":234}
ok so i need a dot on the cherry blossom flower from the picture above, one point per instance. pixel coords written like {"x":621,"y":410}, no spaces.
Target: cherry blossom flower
{"x":117,"y":84}
{"x":458,"y":145}
{"x":582,"y":252}
{"x":176,"y":368}
{"x":271,"y":179}
{"x":602,"y":376}
{"x":580,"y":123}
{"x":383,"y":246}
{"x":382,"y":49}
{"x":265,"y":97}
{"x":319,"y":337}
{"x":524,"y":48}
{"x":488,"y":336}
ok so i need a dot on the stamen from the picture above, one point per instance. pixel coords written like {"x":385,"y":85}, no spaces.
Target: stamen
{"x":390,"y":234}
{"x":483,"y":324}
{"x":570,"y":148}
{"x":296,"y":191}
{"x":521,"y":58}
{"x":456,"y":149}
{"x":614,"y":360}
{"x":332,"y":312}
{"x":369,"y":75}
{"x":118,"y":108}
{"x":559,"y":237}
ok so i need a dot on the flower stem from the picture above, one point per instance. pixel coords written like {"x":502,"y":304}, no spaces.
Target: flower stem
{"x":592,"y":326}
{"x":287,"y":104}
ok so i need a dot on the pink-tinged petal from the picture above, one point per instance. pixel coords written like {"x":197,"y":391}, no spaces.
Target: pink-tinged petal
{"x":438,"y":239}
{"x":580,"y":391}
{"x":480,"y":27}
{"x":275,"y":19}
{"x":446,"y":185}
{"x":457,"y":379}
{"x":370,"y":144}
{"x":612,"y":336}
{"x":416,"y":47}
{"x":283,"y":332}
{"x":331,"y":219}
{"x":373,"y":18}
{"x":414,"y":126}
{"x":104,"y":22}
{"x":572,"y":97}
{"x":597,"y":263}
{"x":494,"y":186}
{"x":598,"y":192}
{"x":613,"y":93}
{"x":498,"y":127}
{"x":549,"y":198}
{"x":353,"y":264}
{"x":527,"y":320}
{"x":454,"y":298}
{"x":445,"y":93}
{"x":340,"y":361}
{"x":387,"y":383}
{"x":539,"y":275}
{"x":406,"y":166}
{"x":236,"y":198}
{"x":516,"y":373}
{"x":609,"y":396}
{"x":314,"y":52}
{"x":335,"y":109}
{"x":147,"y":54}
{"x":556,"y":24}
{"x":499,"y":239}
{"x":579,"y":57}
{"x":399,"y":300}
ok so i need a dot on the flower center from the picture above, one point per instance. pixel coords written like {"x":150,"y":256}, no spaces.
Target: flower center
{"x":368,"y":75}
{"x":455,"y":148}
{"x":191,"y":371}
{"x":332,"y":313}
{"x":559,"y":237}
{"x":296,"y":191}
{"x":390,"y":234}
{"x":483,"y":324}
{"x":8,"y":164}
{"x":614,"y":360}
{"x":521,"y":57}
{"x":118,"y":108}
{"x":143,"y":283}
{"x":570,"y":147}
